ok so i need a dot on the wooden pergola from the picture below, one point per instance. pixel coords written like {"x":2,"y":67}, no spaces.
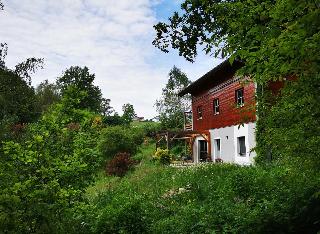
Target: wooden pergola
{"x":188,"y":135}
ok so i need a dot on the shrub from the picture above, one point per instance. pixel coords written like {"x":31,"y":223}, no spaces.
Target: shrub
{"x":46,"y":175}
{"x":118,"y":139}
{"x":149,"y":129}
{"x":163,"y":156}
{"x":219,"y":198}
{"x":120,"y":164}
{"x":126,"y":215}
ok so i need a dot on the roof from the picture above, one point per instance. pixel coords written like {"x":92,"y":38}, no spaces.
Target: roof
{"x":221,"y":70}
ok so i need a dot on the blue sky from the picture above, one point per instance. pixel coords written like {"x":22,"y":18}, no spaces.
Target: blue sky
{"x":112,"y":37}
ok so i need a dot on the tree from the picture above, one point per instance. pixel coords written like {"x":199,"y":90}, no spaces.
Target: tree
{"x":106,"y":108}
{"x":26,"y":68}
{"x":277,"y":40}
{"x":82,"y":80}
{"x":47,"y":94}
{"x":17,"y":98}
{"x":128,"y":113}
{"x":3,"y":54}
{"x":171,"y":107}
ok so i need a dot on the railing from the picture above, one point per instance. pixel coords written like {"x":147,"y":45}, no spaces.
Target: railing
{"x":188,"y":126}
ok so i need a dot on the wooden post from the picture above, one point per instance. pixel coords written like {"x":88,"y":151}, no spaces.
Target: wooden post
{"x":209,"y":144}
{"x":184,"y":120}
{"x":168,"y":139}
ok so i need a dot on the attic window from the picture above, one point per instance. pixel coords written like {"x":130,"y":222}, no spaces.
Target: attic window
{"x":240,"y":97}
{"x":216,"y":106}
{"x":199,"y":111}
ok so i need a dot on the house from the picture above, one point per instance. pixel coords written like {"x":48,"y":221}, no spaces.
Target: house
{"x":221,"y":126}
{"x":138,"y":119}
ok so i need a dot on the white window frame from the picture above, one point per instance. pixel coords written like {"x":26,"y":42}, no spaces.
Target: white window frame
{"x":215,"y":112}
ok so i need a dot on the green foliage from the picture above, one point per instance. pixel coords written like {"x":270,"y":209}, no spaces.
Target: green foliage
{"x":3,"y":53}
{"x":128,"y":113}
{"x":171,"y":107}
{"x":178,"y":150}
{"x":44,"y":176}
{"x":47,"y":94}
{"x":125,"y":216}
{"x":106,"y":108}
{"x":119,"y":139}
{"x":27,"y":67}
{"x":17,"y":99}
{"x":289,"y":129}
{"x":113,"y":120}
{"x":149,"y":129}
{"x":82,"y":81}
{"x":275,"y":38}
{"x":162,"y":156}
{"x":218,"y":198}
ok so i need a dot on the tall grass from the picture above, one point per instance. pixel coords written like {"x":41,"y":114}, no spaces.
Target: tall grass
{"x":220,"y":198}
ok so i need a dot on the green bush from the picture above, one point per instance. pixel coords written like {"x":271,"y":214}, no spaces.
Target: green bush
{"x":149,"y":129}
{"x":126,"y":215}
{"x":118,"y":139}
{"x":45,"y":176}
{"x":162,"y":156}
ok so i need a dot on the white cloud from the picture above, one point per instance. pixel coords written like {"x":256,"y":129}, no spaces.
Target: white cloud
{"x":112,"y":37}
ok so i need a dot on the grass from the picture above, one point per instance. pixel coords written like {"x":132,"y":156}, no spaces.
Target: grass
{"x":140,"y":176}
{"x":215,"y":198}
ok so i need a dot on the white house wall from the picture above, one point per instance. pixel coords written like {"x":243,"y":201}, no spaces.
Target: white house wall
{"x":229,"y":143}
{"x":226,"y":143}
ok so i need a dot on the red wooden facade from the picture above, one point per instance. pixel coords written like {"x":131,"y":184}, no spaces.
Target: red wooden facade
{"x":229,"y":113}
{"x":221,"y":83}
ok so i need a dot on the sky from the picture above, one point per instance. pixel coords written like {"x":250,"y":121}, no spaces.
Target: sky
{"x":113,"y":38}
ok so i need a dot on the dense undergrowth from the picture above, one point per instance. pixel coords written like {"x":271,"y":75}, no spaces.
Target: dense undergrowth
{"x":220,"y":198}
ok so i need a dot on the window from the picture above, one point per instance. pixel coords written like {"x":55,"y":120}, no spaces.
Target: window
{"x":199,"y":111}
{"x":217,"y":148}
{"x":242,"y":146}
{"x":216,"y":107}
{"x":240,"y":97}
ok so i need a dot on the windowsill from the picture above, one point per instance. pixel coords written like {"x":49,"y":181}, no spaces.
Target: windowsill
{"x":242,"y":155}
{"x":216,"y":113}
{"x":199,"y":118}
{"x":239,"y":106}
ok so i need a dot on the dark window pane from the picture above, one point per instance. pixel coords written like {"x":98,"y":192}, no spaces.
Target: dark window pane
{"x":240,"y":97}
{"x":242,"y":146}
{"x":199,"y":110}
{"x":216,"y":106}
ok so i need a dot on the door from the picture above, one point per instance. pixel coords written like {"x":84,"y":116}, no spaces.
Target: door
{"x":217,"y":148}
{"x":203,"y":150}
